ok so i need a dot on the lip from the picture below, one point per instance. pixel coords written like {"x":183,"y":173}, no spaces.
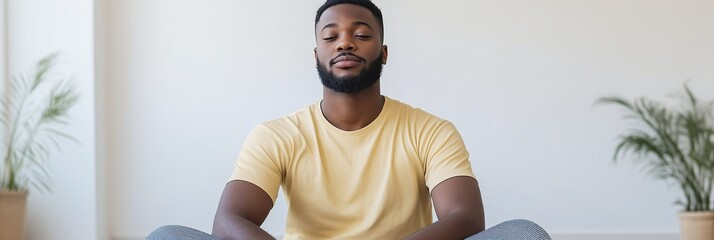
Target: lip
{"x":346,"y":61}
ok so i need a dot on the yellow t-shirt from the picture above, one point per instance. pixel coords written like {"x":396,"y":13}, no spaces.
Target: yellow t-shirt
{"x":372,"y":183}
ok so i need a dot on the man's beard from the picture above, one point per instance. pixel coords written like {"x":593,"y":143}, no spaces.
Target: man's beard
{"x":365,"y":79}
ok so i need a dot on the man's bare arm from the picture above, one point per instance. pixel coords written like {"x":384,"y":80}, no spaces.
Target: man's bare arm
{"x":242,"y":209}
{"x":458,"y":205}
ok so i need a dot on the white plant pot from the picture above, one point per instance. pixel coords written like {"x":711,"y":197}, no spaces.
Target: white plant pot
{"x":13,"y":205}
{"x":697,"y":225}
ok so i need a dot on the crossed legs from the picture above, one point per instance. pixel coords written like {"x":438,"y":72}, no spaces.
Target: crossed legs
{"x":518,"y":229}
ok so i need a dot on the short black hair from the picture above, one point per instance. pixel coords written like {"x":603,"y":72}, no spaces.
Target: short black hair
{"x":363,"y":3}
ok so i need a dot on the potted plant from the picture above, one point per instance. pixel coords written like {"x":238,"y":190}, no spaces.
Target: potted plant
{"x":32,"y":108}
{"x":675,"y":144}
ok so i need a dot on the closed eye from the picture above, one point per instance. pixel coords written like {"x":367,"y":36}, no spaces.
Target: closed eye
{"x":363,"y":37}
{"x":329,"y":38}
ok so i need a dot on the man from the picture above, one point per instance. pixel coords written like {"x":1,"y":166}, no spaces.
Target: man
{"x":356,"y":165}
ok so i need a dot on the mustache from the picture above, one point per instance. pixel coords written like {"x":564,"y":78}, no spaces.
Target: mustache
{"x":344,"y":54}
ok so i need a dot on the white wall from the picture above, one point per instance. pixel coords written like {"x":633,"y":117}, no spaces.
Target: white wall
{"x":36,"y":28}
{"x":3,"y":47}
{"x":185,"y":87}
{"x":187,"y":80}
{"x":3,"y":72}
{"x":100,"y":108}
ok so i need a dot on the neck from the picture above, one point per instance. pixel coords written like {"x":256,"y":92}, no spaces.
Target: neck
{"x":352,"y":111}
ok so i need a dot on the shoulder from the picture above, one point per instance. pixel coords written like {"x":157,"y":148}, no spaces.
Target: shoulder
{"x":290,"y":125}
{"x":278,"y":138}
{"x":417,"y":117}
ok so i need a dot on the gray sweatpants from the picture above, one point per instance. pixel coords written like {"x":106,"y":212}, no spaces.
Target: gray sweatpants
{"x":518,"y":229}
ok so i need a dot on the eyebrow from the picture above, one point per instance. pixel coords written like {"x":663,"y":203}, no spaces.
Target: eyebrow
{"x":356,"y":23}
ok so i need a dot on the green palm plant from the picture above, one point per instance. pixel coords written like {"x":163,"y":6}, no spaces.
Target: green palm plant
{"x":28,"y":126}
{"x":673,"y":144}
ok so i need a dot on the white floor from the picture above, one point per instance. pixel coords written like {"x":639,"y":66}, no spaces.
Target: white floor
{"x":569,"y":236}
{"x":619,"y":236}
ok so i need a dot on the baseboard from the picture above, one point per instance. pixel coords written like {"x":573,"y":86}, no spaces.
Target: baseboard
{"x":127,"y":238}
{"x":615,"y":236}
{"x":277,"y":236}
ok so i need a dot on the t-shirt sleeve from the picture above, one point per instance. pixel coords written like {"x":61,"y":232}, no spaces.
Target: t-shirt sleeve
{"x":446,"y":156}
{"x":259,"y":161}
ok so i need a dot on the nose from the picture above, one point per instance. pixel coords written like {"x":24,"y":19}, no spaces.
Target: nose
{"x":345,"y":44}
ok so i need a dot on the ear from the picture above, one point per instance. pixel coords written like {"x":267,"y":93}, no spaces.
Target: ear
{"x":315,"y":52}
{"x":384,"y":54}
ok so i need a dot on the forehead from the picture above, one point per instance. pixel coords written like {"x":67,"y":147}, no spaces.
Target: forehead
{"x":346,"y":14}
